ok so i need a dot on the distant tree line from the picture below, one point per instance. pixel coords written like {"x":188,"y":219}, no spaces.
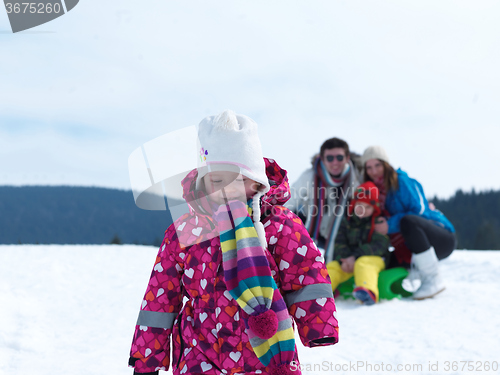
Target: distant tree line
{"x":77,"y":215}
{"x":89,"y":215}
{"x":476,"y":217}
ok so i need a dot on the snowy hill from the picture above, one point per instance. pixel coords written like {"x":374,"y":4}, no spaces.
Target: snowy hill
{"x":72,"y":310}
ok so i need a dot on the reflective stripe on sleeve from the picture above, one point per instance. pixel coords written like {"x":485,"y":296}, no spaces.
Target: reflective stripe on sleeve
{"x":156,"y":319}
{"x":309,"y":292}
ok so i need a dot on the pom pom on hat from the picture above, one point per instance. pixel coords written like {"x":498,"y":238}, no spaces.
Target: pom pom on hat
{"x":374,"y":152}
{"x":226,"y":121}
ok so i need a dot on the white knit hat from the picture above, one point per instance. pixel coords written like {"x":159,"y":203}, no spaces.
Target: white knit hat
{"x":232,"y":140}
{"x":374,"y":152}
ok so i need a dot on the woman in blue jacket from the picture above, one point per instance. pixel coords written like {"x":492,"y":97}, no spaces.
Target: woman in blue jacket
{"x":426,"y":231}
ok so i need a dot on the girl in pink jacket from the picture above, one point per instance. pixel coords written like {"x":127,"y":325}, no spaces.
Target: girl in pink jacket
{"x":234,"y":274}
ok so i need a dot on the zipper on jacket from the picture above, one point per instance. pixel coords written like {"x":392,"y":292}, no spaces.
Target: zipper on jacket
{"x":181,"y":353}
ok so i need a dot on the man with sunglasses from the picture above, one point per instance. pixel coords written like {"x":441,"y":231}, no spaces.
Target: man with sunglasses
{"x":321,"y":195}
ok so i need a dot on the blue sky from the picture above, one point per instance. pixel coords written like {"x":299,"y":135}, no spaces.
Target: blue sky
{"x":79,"y":94}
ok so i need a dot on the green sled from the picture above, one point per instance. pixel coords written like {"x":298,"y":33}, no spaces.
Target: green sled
{"x":389,"y":285}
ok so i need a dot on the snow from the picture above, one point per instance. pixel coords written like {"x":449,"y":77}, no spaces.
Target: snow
{"x":72,"y":310}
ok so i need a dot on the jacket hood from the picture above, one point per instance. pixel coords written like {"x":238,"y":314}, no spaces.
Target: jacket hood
{"x":399,"y":171}
{"x":278,"y":193}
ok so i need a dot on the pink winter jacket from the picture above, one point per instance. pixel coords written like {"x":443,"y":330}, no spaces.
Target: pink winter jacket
{"x":207,"y":330}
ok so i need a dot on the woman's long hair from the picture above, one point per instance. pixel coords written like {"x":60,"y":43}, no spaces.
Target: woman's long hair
{"x":390,"y":176}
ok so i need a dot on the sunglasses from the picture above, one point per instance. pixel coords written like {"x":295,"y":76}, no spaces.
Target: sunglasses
{"x":331,"y":158}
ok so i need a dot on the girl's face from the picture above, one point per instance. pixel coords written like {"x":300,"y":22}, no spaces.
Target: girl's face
{"x":362,"y":209}
{"x":374,"y":169}
{"x":231,"y":185}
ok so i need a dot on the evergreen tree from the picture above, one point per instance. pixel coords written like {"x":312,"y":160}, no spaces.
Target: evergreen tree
{"x":116,"y":240}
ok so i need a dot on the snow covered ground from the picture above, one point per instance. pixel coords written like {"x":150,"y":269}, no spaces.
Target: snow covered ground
{"x":72,"y":310}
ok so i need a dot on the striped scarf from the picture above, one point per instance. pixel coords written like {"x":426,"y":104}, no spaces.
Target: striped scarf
{"x":249,"y":281}
{"x":322,"y":180}
{"x":382,"y":193}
